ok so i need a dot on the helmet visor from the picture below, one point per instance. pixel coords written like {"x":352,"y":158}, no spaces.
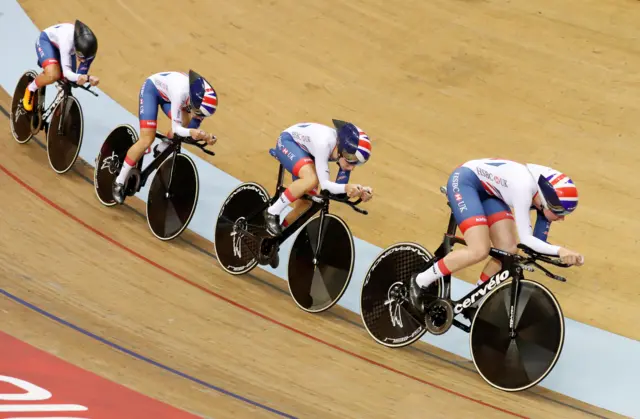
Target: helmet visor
{"x":191,"y":108}
{"x":80,"y":55}
{"x":551,"y":197}
{"x":197,"y":112}
{"x":351,"y":158}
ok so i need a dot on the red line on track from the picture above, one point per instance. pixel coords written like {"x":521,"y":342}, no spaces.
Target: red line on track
{"x":242,"y":307}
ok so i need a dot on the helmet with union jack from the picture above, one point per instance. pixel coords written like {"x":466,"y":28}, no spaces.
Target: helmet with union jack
{"x":353,"y":143}
{"x":557,"y":191}
{"x":202,"y":97}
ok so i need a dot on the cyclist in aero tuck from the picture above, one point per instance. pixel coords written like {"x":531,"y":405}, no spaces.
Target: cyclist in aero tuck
{"x":64,"y":51}
{"x":186,"y":99}
{"x":482,"y":194}
{"x":305,"y":151}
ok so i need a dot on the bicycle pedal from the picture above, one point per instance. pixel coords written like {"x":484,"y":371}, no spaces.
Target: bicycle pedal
{"x":36,"y":122}
{"x":268,"y":251}
{"x":132,"y":183}
{"x":439,"y":316}
{"x":275,"y":261}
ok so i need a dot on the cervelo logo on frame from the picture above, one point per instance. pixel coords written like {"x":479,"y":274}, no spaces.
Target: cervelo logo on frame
{"x":34,"y":393}
{"x":495,"y":280}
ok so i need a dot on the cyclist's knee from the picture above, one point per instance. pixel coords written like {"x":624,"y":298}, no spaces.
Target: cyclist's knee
{"x":308,"y":177}
{"x":511,"y":247}
{"x":53,"y":72}
{"x":146,"y":140}
{"x":312,"y":185}
{"x":505,"y":242}
{"x":478,"y":252}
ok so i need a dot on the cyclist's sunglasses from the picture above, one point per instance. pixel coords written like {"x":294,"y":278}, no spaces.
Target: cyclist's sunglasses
{"x":196,"y":111}
{"x":351,"y":158}
{"x":82,"y":57}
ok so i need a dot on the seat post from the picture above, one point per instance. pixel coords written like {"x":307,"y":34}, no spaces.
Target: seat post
{"x":453,"y":225}
{"x":280,"y":179}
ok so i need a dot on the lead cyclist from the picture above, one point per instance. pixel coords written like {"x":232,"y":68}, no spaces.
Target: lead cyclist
{"x":491,"y":200}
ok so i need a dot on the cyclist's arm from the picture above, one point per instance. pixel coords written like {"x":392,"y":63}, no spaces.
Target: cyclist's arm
{"x":321,"y":155}
{"x":65,"y":62}
{"x":176,"y":114}
{"x":523,"y":225}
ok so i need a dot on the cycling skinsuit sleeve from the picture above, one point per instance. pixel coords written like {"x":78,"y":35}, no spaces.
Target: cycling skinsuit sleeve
{"x":322,"y":152}
{"x":177,"y":98}
{"x":521,"y":205}
{"x":65,"y":47}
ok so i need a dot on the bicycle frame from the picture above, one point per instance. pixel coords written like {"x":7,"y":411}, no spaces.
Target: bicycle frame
{"x":61,"y":96}
{"x":318,"y":204}
{"x":174,"y":147}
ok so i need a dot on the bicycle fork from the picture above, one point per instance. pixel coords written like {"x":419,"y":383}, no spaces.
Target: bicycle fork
{"x":513,"y":306}
{"x":173,"y":167}
{"x":316,"y":255}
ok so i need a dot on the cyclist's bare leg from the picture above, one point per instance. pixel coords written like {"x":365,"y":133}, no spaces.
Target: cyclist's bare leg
{"x":503,"y":237}
{"x":50,"y":74}
{"x":477,"y":249}
{"x":147,"y":135}
{"x":299,"y":207}
{"x":135,"y":152}
{"x":308,"y":180}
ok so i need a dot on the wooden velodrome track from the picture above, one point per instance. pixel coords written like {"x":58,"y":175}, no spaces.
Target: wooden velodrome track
{"x":434,"y":84}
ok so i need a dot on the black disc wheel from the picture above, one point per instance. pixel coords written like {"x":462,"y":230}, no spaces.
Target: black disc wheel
{"x":515,"y":363}
{"x":321,"y":263}
{"x":64,"y":137}
{"x":173,"y":197}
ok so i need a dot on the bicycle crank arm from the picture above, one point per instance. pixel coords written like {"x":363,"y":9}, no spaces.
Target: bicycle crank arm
{"x":461,"y":326}
{"x":390,"y":301}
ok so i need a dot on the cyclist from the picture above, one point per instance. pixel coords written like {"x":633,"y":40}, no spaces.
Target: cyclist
{"x":305,"y":151}
{"x":481,"y":194}
{"x":185,"y":99}
{"x":65,"y":50}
